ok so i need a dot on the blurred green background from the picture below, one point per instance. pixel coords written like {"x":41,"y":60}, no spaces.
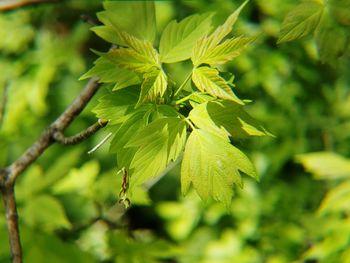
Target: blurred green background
{"x":68,"y":200}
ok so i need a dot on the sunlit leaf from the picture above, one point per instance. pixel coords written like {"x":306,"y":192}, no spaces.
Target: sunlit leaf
{"x":226,"y":51}
{"x":177,"y":39}
{"x":208,"y":80}
{"x":157,"y":144}
{"x":211,"y":164}
{"x":325,"y":165}
{"x":113,"y":106}
{"x":117,"y":17}
{"x":336,"y":200}
{"x":206,"y":44}
{"x":109,"y":72}
{"x":153,"y":86}
{"x":301,"y":21}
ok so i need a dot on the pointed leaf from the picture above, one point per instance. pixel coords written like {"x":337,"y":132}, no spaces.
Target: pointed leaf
{"x":205,"y":44}
{"x":157,"y":144}
{"x":226,"y":118}
{"x":108,"y":72}
{"x":177,"y":39}
{"x":212,"y":165}
{"x":301,"y":21}
{"x":117,"y":18}
{"x":153,"y":86}
{"x":113,"y":106}
{"x":226,"y":51}
{"x":208,"y":80}
{"x":141,"y":61}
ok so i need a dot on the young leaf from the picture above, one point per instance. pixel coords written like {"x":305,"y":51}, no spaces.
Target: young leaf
{"x":226,"y":118}
{"x":117,"y":18}
{"x":108,"y":72}
{"x":301,"y":21}
{"x":143,"y":60}
{"x":208,"y":80}
{"x":212,"y":165}
{"x":205,"y":44}
{"x":226,"y":51}
{"x":177,"y":39}
{"x":153,"y":86}
{"x":115,"y":105}
{"x":157,"y":144}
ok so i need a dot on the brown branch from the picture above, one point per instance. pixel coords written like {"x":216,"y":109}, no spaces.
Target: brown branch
{"x":9,"y":201}
{"x":14,"y":4}
{"x":46,"y":138}
{"x":83,"y":135}
{"x":9,"y":174}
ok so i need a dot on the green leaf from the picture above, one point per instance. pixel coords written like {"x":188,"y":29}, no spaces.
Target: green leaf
{"x":340,"y":10}
{"x":301,"y":21}
{"x":226,"y":118}
{"x":325,"y":165}
{"x":208,"y":80}
{"x":130,"y":125}
{"x":331,"y":38}
{"x":117,"y":18}
{"x":154,"y":86}
{"x":142,"y":60}
{"x":212,"y":165}
{"x":113,"y":106}
{"x":79,"y":181}
{"x":108,"y":72}
{"x":157,"y":144}
{"x":177,"y":39}
{"x":45,"y":211}
{"x":336,"y":200}
{"x":226,"y":51}
{"x":206,"y":44}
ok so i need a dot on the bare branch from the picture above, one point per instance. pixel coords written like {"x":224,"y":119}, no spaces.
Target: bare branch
{"x":14,"y":4}
{"x":9,"y":201}
{"x":46,"y":138}
{"x":75,"y":139}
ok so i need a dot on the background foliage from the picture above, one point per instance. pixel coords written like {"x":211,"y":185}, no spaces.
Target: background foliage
{"x":68,"y":200}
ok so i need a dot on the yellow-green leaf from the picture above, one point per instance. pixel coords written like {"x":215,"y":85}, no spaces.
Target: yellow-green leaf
{"x":153,"y":86}
{"x":177,"y":39}
{"x":211,"y":164}
{"x":208,"y":80}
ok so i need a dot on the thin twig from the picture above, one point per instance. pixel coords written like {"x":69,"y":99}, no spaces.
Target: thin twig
{"x":45,"y":140}
{"x":9,"y":201}
{"x":81,"y":136}
{"x":14,"y":4}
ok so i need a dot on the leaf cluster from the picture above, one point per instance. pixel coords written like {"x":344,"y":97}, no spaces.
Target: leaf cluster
{"x":154,"y":119}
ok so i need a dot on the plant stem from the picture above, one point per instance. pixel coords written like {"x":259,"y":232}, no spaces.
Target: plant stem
{"x":183,"y":84}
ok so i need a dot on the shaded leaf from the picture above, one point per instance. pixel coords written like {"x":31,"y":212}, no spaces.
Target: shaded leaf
{"x":301,"y":21}
{"x":211,"y":164}
{"x":208,"y":80}
{"x":46,"y":211}
{"x":177,"y":39}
